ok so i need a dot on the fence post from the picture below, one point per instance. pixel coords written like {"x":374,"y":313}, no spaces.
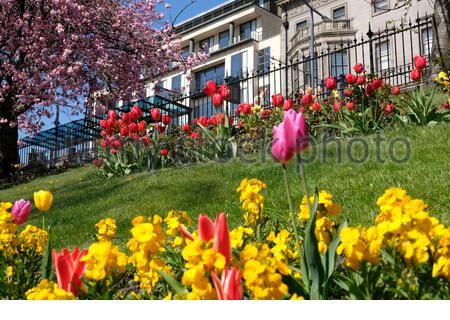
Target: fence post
{"x":370,"y":35}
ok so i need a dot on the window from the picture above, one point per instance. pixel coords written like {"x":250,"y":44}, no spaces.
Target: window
{"x":176,"y":83}
{"x":339,"y":13}
{"x":185,"y":52}
{"x":301,"y":25}
{"x":265,"y":4}
{"x":207,"y":44}
{"x":239,"y":64}
{"x":427,"y":40}
{"x":339,"y":64}
{"x":224,"y":39}
{"x":246,"y":30}
{"x":381,"y":5}
{"x":382,"y":53}
{"x":264,"y":59}
{"x":216,"y":74}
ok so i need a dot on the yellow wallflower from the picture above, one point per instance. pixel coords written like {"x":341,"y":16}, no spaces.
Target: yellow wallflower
{"x":237,"y":236}
{"x":8,"y":229}
{"x":48,"y":290}
{"x":102,"y":260}
{"x":33,"y":238}
{"x":43,"y":200}
{"x":252,"y":200}
{"x":106,"y":229}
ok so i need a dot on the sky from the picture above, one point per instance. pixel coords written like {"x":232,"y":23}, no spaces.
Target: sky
{"x":197,"y":7}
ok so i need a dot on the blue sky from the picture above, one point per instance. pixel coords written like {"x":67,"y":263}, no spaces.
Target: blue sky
{"x":195,"y":8}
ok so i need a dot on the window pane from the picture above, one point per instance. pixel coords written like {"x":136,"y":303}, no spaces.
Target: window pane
{"x":339,"y":13}
{"x":302,"y":25}
{"x":216,"y":74}
{"x":246,"y":30}
{"x":264,"y":59}
{"x":224,"y":38}
{"x":236,"y":65}
{"x":427,"y":40}
{"x":339,"y":64}
{"x":381,"y":5}
{"x":176,"y":83}
{"x":382,"y":52}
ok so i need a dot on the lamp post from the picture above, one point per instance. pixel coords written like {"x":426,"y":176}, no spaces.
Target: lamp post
{"x":312,"y":40}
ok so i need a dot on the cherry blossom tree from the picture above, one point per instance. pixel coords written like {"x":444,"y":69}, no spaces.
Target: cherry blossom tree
{"x":67,"y":52}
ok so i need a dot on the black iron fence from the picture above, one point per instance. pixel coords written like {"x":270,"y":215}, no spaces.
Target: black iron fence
{"x":388,"y":54}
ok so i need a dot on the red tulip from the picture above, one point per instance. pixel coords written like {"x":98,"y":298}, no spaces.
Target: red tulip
{"x":103,"y":133}
{"x":202,"y":120}
{"x":307,"y":99}
{"x":359,"y":68}
{"x":289,"y":137}
{"x":445,"y":105}
{"x":278,"y":100}
{"x":348,"y":91}
{"x":136,"y":113}
{"x":125,"y":117}
{"x":205,"y":228}
{"x":133,"y":127}
{"x":159,"y":127}
{"x":217,"y":99}
{"x":377,"y":83}
{"x":103,"y":144}
{"x":217,"y":231}
{"x":112,"y":114}
{"x":194,"y":135}
{"x":420,"y":62}
{"x":416,"y":74}
{"x":395,"y":91}
{"x":166,"y":119}
{"x":337,"y":105}
{"x":240,"y":125}
{"x":330,"y":83}
{"x":125,"y":132}
{"x":185,"y":128}
{"x":265,"y":114}
{"x":225,"y":91}
{"x":316,"y":106}
{"x":361,"y":80}
{"x":210,"y":88}
{"x":163,"y":152}
{"x":156,"y":114}
{"x":288,"y":104}
{"x":302,"y":109}
{"x":69,"y":269}
{"x":351,"y":78}
{"x":142,"y":126}
{"x":145,"y":140}
{"x":350,"y":105}
{"x":245,"y":108}
{"x":213,"y":120}
{"x":370,"y":89}
{"x":113,"y":151}
{"x":117,"y":143}
{"x":389,"y":108}
{"x":229,"y":287}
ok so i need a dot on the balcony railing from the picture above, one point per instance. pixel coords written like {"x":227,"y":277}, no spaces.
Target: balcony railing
{"x":254,"y":35}
{"x":321,"y":28}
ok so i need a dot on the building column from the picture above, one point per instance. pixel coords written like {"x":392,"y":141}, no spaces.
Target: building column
{"x":231,"y":32}
{"x":191,"y":46}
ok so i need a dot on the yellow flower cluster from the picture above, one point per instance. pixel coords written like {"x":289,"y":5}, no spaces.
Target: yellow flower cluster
{"x":404,"y":225}
{"x":145,"y":245}
{"x":106,"y":229}
{"x":324,"y":225}
{"x":281,"y":250}
{"x":262,"y":272}
{"x":252,"y":200}
{"x":200,"y":258}
{"x":102,"y":259}
{"x":33,"y":238}
{"x":443,"y":78}
{"x":238,"y":235}
{"x":48,"y":290}
{"x":8,"y":229}
{"x":173,"y":220}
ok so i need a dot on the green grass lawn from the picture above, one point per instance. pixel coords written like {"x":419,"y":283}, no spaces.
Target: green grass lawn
{"x":81,"y":198}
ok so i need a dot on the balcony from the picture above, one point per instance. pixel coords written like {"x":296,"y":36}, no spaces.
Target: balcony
{"x":324,"y":28}
{"x":242,"y":38}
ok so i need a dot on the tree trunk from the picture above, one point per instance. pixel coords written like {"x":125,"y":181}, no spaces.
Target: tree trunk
{"x":441,"y":33}
{"x":9,"y":152}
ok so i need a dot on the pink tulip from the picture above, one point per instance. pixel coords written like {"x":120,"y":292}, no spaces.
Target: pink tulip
{"x":290,"y":136}
{"x":229,"y":287}
{"x":21,"y":211}
{"x":69,"y":269}
{"x":207,"y":230}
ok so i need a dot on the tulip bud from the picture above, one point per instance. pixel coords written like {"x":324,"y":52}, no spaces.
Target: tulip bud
{"x":43,"y":200}
{"x":395,"y":91}
{"x":420,"y":62}
{"x":351,"y":78}
{"x":210,"y":88}
{"x":217,"y":99}
{"x":277,"y":100}
{"x":330,"y":83}
{"x":359,"y":68}
{"x":156,"y":114}
{"x":20,"y":211}
{"x":416,"y":74}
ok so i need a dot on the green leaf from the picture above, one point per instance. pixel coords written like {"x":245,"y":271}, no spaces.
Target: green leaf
{"x":294,"y":286}
{"x":46,"y":266}
{"x":174,"y":284}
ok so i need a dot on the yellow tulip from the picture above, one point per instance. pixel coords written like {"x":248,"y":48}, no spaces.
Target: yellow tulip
{"x":43,"y":200}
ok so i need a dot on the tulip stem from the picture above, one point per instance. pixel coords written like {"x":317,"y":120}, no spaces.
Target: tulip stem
{"x":303,"y":178}
{"x":291,"y":211}
{"x":43,"y":221}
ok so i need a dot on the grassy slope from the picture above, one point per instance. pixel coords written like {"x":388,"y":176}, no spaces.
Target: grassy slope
{"x":82,"y":198}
